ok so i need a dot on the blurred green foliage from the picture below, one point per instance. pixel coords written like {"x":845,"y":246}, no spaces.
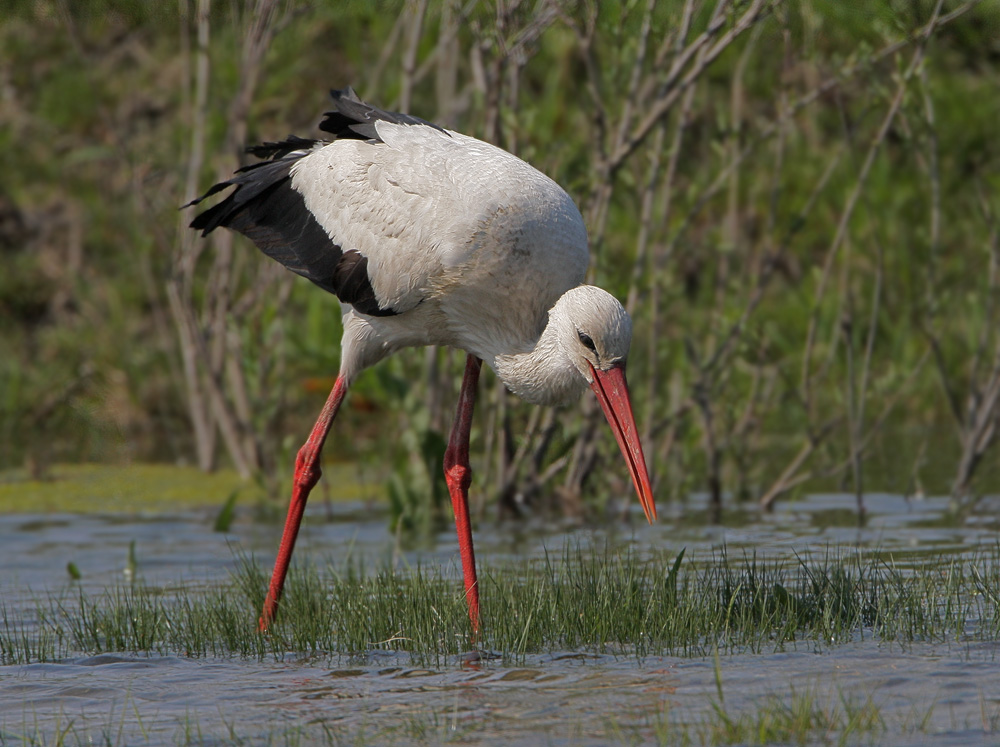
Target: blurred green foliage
{"x":95,"y":127}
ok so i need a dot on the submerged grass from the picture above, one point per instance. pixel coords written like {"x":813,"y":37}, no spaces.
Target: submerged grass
{"x":592,"y":600}
{"x":810,"y":716}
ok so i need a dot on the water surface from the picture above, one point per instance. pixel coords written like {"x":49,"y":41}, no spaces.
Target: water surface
{"x":946,"y":693}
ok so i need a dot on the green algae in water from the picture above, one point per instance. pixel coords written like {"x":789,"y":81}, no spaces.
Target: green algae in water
{"x":87,"y":488}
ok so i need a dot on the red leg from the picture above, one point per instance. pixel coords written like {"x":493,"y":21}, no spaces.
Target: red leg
{"x":458,"y":475}
{"x":307,"y":474}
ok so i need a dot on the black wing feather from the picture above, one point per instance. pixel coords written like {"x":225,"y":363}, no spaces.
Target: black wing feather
{"x":265,"y":208}
{"x":283,"y":148}
{"x":355,"y":119}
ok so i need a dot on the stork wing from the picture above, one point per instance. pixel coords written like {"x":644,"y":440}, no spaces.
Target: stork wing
{"x":393,"y":210}
{"x":327,"y":222}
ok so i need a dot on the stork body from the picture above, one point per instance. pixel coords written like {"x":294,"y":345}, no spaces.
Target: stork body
{"x":431,"y":237}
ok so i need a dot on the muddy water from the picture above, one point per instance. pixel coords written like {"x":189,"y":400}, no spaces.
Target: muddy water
{"x":943,"y":694}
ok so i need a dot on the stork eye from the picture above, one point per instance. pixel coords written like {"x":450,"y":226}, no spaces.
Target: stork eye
{"x":587,"y":341}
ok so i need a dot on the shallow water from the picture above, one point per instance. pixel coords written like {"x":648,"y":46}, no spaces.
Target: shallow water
{"x":552,"y":700}
{"x":943,"y":693}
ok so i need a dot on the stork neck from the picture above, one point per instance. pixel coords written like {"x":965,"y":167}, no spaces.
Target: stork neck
{"x":543,"y":375}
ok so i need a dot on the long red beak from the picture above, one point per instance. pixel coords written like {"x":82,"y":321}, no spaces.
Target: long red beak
{"x":611,"y":389}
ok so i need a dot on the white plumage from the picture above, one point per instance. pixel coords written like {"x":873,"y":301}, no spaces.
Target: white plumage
{"x":431,"y":237}
{"x":428,"y":211}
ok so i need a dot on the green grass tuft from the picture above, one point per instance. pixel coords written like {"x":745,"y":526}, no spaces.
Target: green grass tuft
{"x":604,"y":602}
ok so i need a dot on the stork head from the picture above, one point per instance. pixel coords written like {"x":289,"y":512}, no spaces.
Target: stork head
{"x":595,"y":333}
{"x":595,"y":330}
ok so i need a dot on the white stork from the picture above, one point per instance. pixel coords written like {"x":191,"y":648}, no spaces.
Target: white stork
{"x":431,"y":237}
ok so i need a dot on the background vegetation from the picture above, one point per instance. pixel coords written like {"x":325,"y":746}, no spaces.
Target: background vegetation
{"x":797,"y":200}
